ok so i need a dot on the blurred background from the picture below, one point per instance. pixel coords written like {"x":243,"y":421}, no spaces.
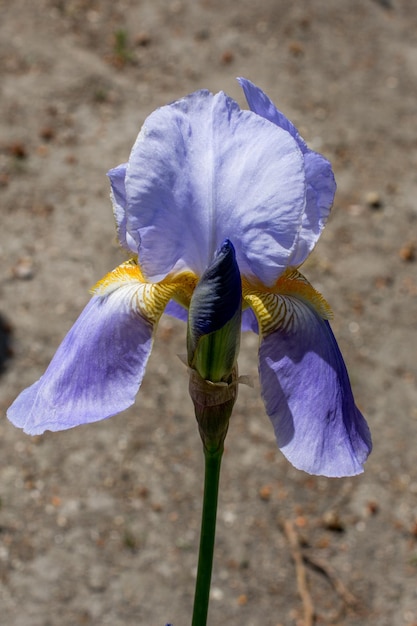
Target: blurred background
{"x":100,"y":525}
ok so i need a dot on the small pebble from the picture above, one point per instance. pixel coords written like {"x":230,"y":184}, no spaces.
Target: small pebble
{"x":408,"y":251}
{"x":265,"y":493}
{"x":296,"y":48}
{"x":227,"y":57}
{"x":143,"y":39}
{"x":23,"y":269}
{"x":216,"y":593}
{"x":47,"y":133}
{"x":372,"y":507}
{"x":17,"y":149}
{"x":373,"y":200}
{"x":332,"y":521}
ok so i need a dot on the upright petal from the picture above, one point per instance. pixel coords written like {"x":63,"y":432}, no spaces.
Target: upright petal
{"x":118,"y":196}
{"x":308,"y":397}
{"x":320,"y":181}
{"x":261,"y":104}
{"x":321,"y":188}
{"x":97,"y":370}
{"x":203,"y":171}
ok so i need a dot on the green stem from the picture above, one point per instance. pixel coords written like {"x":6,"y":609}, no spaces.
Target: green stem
{"x":208,"y":534}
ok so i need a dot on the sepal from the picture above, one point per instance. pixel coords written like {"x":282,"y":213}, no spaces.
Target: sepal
{"x":213,"y":405}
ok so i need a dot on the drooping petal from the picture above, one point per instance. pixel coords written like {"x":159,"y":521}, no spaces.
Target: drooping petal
{"x":176,"y":310}
{"x":249,"y":321}
{"x":321,"y":186}
{"x":309,"y":400}
{"x":203,"y":171}
{"x":305,"y":385}
{"x":95,"y":373}
{"x":97,"y":370}
{"x":118,"y":196}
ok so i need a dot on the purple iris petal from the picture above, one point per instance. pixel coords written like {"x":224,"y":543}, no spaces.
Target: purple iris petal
{"x":307,"y":395}
{"x":320,"y":181}
{"x":118,"y":195}
{"x":95,"y":373}
{"x":176,"y":310}
{"x":202,"y":171}
{"x":249,"y":321}
{"x":261,"y":104}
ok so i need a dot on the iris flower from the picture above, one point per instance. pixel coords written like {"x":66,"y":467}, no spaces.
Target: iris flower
{"x":205,"y":179}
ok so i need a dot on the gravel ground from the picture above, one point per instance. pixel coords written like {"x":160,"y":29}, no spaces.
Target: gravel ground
{"x":99,"y":525}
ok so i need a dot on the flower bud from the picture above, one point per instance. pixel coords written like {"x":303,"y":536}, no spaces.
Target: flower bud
{"x":213,"y":339}
{"x":214,"y":318}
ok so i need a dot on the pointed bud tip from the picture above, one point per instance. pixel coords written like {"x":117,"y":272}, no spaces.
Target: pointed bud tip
{"x":226,"y":248}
